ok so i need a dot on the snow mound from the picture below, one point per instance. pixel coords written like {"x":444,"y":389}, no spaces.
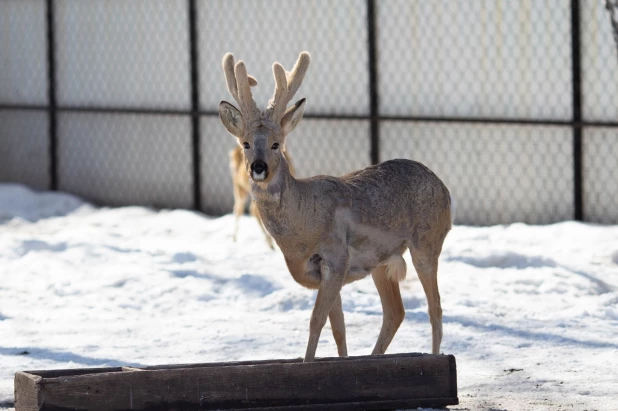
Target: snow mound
{"x":18,"y":201}
{"x":504,"y":259}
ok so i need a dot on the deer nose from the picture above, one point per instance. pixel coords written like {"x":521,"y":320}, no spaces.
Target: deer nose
{"x":259,"y":167}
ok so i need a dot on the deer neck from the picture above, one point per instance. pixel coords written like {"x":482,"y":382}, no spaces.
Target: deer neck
{"x":280,"y":207}
{"x":270,"y":196}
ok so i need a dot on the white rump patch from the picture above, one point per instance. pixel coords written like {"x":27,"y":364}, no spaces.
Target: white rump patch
{"x":396,"y":268}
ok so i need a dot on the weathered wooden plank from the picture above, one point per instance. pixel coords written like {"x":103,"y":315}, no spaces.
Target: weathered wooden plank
{"x":376,"y":382}
{"x":27,"y":391}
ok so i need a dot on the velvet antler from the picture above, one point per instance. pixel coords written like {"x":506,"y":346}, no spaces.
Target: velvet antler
{"x":239,"y":84}
{"x":287,"y":83}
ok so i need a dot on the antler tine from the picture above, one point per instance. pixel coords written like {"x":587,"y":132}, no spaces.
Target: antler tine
{"x":296,"y":76}
{"x":239,"y":85}
{"x":287,"y":84}
{"x":277,"y":104}
{"x":228,"y":69}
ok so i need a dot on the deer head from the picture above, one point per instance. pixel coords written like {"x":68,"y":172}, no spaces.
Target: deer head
{"x":262,"y":134}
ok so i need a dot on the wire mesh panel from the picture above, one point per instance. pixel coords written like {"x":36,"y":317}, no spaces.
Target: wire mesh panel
{"x":334,"y":147}
{"x":496,"y":174}
{"x":502,"y":63}
{"x":121,"y":159}
{"x":600,"y":175}
{"x":599,"y":64}
{"x":215,"y":145}
{"x":478,"y":58}
{"x":23,"y":57}
{"x":123,"y":53}
{"x":24,"y":147}
{"x":264,"y":31}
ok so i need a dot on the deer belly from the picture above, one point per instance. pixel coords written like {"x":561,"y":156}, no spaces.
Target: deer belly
{"x":361,"y":264}
{"x":365,"y":255}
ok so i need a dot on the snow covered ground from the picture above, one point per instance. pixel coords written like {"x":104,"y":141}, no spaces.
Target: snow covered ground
{"x":530,"y":312}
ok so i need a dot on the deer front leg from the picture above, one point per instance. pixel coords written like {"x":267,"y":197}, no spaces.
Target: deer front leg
{"x":330,"y":285}
{"x":337,"y":323}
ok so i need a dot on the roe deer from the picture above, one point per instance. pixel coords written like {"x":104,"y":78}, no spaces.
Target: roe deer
{"x":333,"y":231}
{"x":242,"y":191}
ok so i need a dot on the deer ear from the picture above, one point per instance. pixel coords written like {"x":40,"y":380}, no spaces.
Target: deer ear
{"x":292,"y":117}
{"x":231,"y":118}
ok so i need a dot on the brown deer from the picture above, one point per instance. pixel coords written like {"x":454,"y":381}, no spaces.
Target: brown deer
{"x":333,"y":231}
{"x":242,"y":190}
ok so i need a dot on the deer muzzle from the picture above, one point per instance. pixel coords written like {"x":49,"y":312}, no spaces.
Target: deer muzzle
{"x":259,"y":170}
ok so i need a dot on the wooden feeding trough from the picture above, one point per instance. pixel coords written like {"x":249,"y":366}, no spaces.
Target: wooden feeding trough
{"x":350,"y":383}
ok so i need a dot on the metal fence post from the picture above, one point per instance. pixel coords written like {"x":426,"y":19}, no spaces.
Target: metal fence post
{"x":577,"y":113}
{"x":373,"y":83}
{"x":51,"y":95}
{"x":195,"y":105}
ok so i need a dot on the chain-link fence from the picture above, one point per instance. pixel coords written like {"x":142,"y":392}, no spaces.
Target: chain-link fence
{"x":513,"y":104}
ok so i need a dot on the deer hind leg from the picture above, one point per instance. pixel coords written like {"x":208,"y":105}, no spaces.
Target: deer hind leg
{"x":240,"y":200}
{"x":240,"y":194}
{"x":393,"y":312}
{"x":337,"y":323}
{"x":426,"y":264}
{"x":254,"y":212}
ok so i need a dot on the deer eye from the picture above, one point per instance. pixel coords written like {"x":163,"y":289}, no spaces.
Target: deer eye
{"x":246,"y":145}
{"x":275,"y":146}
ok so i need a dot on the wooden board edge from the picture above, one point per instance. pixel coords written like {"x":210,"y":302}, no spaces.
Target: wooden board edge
{"x":452,"y":376}
{"x":295,"y":360}
{"x":69,"y":372}
{"x":81,"y":371}
{"x":365,"y":405}
{"x":27,"y":391}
